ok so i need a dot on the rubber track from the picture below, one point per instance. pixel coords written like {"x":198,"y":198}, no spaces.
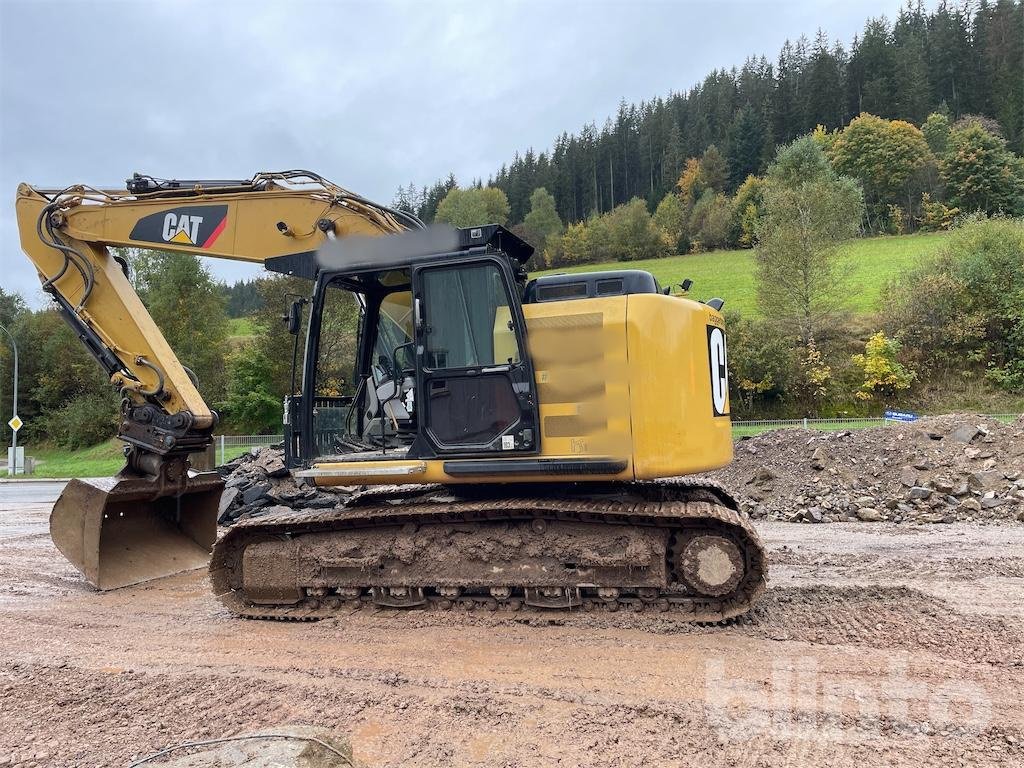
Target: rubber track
{"x":664,"y":504}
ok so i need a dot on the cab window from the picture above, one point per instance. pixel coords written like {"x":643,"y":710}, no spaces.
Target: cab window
{"x":468,"y":318}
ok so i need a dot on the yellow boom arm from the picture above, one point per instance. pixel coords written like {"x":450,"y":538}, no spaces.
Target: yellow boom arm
{"x":67,"y":235}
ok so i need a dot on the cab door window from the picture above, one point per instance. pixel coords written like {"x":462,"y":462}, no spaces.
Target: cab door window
{"x":475,"y":384}
{"x":470,"y":323}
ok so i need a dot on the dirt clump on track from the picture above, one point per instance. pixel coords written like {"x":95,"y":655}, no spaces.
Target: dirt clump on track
{"x":876,"y":645}
{"x":944,"y":469}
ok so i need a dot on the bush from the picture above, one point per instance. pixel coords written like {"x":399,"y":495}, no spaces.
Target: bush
{"x":884,"y":375}
{"x":84,"y":421}
{"x":936,"y":216}
{"x":964,"y":310}
{"x":627,"y":233}
{"x":746,"y":210}
{"x":252,"y":406}
{"x":759,"y":371}
{"x":711,"y":220}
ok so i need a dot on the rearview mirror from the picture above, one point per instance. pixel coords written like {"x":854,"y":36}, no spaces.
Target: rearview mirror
{"x":294,"y":317}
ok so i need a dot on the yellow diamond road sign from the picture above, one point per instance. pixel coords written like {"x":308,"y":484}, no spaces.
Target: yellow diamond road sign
{"x":15,"y":423}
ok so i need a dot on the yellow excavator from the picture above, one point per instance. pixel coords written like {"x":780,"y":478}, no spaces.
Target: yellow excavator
{"x":514,"y":443}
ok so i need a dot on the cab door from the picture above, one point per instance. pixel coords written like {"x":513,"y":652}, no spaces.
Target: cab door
{"x":475,"y":385}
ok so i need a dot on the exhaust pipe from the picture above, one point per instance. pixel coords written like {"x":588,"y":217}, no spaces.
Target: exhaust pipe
{"x":128,"y":529}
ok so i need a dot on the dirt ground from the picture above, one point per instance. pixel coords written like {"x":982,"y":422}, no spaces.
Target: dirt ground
{"x":876,"y":645}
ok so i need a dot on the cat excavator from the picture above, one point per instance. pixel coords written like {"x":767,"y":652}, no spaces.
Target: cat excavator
{"x":503,"y":442}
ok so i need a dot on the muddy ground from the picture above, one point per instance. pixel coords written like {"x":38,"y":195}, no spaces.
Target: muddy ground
{"x":876,"y":645}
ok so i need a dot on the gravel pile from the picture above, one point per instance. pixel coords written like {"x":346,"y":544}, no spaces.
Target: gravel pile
{"x":258,"y":484}
{"x":936,"y":470}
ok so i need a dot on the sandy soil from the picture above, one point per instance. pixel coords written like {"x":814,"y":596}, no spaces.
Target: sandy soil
{"x":876,"y":645}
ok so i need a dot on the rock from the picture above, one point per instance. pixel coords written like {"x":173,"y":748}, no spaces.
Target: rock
{"x":815,"y":515}
{"x":984,"y":480}
{"x":919,"y":492}
{"x":942,"y":485}
{"x":818,"y":459}
{"x":992,"y":502}
{"x":321,"y":501}
{"x":1020,"y":516}
{"x":989,"y":464}
{"x":274,"y":466}
{"x":255,"y":492}
{"x":908,"y":477}
{"x":965,"y":433}
{"x":277,"y":509}
{"x":227,"y":498}
{"x":762,"y":475}
{"x":970,"y":504}
{"x":971,"y":452}
{"x":238,"y":481}
{"x":869,"y":515}
{"x":272,"y":753}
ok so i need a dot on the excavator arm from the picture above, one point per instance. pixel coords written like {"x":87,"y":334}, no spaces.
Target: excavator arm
{"x":156,"y":517}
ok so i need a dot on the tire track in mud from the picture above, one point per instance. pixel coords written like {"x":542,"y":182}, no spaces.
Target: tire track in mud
{"x":105,"y":718}
{"x":882,"y":617}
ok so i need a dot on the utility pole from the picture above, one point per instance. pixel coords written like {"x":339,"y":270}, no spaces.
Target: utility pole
{"x":14,"y":433}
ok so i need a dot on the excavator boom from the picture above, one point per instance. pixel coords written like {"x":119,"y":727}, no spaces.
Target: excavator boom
{"x":156,"y":517}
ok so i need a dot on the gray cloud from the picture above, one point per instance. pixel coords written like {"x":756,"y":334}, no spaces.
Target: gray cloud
{"x":371,"y":95}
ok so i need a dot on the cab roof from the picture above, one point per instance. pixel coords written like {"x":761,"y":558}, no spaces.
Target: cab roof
{"x":352,"y":255}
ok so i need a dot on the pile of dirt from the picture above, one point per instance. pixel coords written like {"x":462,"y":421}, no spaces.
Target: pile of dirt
{"x":258,"y":483}
{"x":936,"y":470}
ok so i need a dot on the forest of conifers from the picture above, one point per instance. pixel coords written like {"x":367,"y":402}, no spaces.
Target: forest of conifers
{"x":961,"y":59}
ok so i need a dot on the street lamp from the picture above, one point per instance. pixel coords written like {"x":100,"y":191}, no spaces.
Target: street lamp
{"x":14,"y":432}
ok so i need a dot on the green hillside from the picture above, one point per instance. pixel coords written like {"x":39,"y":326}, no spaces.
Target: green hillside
{"x":730,"y":274}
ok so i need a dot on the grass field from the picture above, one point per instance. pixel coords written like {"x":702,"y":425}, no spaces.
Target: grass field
{"x":240,"y":326}
{"x":730,"y":274}
{"x":98,"y":461}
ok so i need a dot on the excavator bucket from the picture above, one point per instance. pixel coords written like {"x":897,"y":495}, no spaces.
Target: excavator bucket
{"x":124,"y":530}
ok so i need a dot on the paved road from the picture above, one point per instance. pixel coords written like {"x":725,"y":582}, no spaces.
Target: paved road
{"x":30,"y":492}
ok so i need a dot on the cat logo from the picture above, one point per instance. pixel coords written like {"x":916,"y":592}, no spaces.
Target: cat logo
{"x":181,"y":229}
{"x":718,"y":360}
{"x":195,"y":226}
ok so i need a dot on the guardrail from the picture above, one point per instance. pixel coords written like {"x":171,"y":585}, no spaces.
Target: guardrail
{"x":231,"y":446}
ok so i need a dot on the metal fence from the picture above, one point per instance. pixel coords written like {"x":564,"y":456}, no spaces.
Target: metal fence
{"x":231,"y":446}
{"x":744,"y":428}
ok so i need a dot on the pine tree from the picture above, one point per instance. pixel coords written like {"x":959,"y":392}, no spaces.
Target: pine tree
{"x":746,"y":143}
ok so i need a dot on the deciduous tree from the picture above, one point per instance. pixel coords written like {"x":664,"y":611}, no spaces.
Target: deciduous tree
{"x":981,"y":174}
{"x":807,"y":215}
{"x":473,"y":207}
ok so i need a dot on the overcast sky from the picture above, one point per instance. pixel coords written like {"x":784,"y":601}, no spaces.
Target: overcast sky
{"x":370,"y":95}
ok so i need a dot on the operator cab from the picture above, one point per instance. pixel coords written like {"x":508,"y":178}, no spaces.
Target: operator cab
{"x":415,"y":347}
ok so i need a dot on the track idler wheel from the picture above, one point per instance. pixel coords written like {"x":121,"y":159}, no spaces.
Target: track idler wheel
{"x":709,"y":564}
